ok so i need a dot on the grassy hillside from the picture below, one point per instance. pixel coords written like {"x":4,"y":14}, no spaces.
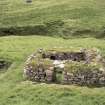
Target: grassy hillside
{"x":77,"y":12}
{"x":47,"y":17}
{"x":15,"y":91}
{"x":79,"y":16}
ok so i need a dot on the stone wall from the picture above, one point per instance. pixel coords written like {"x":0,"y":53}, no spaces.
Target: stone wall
{"x":74,"y":56}
{"x":85,"y":68}
{"x":87,"y":77}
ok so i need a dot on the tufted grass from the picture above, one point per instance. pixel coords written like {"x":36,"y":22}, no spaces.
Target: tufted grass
{"x":85,"y":16}
{"x":14,"y":90}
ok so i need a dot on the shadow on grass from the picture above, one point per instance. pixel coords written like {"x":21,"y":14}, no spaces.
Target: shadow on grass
{"x":4,"y":64}
{"x":52,"y":28}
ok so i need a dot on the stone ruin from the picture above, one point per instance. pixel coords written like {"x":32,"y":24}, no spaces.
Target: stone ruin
{"x":85,"y":67}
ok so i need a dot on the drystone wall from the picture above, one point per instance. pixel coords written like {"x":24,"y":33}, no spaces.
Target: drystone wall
{"x":84,"y":67}
{"x":88,"y":78}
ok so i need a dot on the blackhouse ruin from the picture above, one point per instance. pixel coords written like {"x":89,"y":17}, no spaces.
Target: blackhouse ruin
{"x":84,"y":67}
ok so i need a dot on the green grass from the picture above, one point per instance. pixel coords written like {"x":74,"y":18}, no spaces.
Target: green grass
{"x":77,"y":14}
{"x":15,"y":91}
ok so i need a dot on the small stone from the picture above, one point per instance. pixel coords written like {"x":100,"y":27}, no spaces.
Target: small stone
{"x":102,"y":69}
{"x":61,"y":66}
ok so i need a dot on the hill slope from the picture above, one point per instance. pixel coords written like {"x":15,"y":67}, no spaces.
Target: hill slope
{"x":87,"y":16}
{"x":85,"y":12}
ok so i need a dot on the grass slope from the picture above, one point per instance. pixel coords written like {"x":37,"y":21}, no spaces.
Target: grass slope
{"x":77,"y":14}
{"x":82,"y":14}
{"x":15,"y":91}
